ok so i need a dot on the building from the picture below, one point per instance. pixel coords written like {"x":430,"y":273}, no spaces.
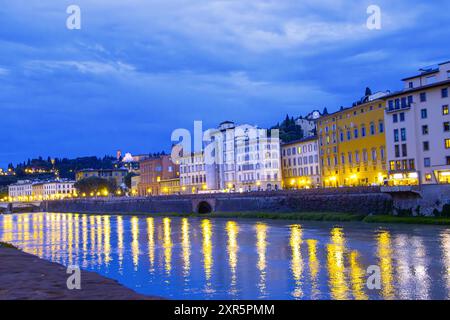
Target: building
{"x":155,"y":169}
{"x":21,"y":190}
{"x":193,"y":173}
{"x":237,"y":158}
{"x":170,"y":186}
{"x":418,"y":128}
{"x":56,"y":189}
{"x":135,"y":180}
{"x":118,"y":175}
{"x":308,"y":123}
{"x":352,"y":144}
{"x":41,"y":190}
{"x":300,"y":163}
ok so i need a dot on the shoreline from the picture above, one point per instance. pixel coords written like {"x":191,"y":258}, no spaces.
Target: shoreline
{"x":296,"y":216}
{"x":24,"y":276}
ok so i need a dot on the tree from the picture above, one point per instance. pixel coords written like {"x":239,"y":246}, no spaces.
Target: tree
{"x":95,"y":185}
{"x":128,"y":177}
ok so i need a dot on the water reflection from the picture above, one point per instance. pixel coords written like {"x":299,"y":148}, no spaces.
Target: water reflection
{"x":297,"y":261}
{"x":222,"y":259}
{"x":336,"y":267}
{"x":384,"y":253}
{"x":232,"y":248}
{"x":261,"y":245}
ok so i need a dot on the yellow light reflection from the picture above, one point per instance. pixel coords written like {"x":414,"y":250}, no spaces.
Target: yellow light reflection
{"x":232,"y":248}
{"x":186,"y":246}
{"x":385,"y":257}
{"x":357,"y":275}
{"x":120,"y":242}
{"x":207,"y":249}
{"x":336,"y":267}
{"x":296,"y":262}
{"x":107,"y":238}
{"x":135,"y":241}
{"x":313,"y":267}
{"x":151,"y":242}
{"x":167,"y":245}
{"x":99,"y":239}
{"x":261,"y":246}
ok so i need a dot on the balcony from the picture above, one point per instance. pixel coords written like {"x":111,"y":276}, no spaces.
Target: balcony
{"x":401,"y":107}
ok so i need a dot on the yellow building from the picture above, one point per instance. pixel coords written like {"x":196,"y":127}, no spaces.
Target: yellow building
{"x":170,"y":186}
{"x":353,"y":145}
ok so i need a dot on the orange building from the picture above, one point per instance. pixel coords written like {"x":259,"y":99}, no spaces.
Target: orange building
{"x":155,"y":170}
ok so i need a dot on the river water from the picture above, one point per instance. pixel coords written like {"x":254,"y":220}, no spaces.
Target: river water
{"x":215,"y":258}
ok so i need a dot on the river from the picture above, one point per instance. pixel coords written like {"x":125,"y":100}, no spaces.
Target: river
{"x":216,"y":258}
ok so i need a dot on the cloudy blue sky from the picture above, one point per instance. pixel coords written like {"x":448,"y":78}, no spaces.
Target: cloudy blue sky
{"x":138,"y":69}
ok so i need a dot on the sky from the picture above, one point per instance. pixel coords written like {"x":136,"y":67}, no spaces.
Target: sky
{"x":138,"y":69}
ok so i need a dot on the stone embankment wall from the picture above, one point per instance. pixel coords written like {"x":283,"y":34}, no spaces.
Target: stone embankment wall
{"x":349,"y":200}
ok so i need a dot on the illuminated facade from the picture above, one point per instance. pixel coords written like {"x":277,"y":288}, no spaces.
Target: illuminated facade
{"x":418,"y":128}
{"x":300,"y":163}
{"x":118,"y":175}
{"x":153,"y":171}
{"x":353,"y":146}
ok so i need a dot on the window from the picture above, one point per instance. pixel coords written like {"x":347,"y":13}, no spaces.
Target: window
{"x":404,"y":150}
{"x":447,"y":126}
{"x":391,"y":104}
{"x":410,"y":100}
{"x":395,"y":118}
{"x":445,"y":110}
{"x":423,"y":113}
{"x":381,"y":126}
{"x":447,"y":143}
{"x":411,"y":85}
{"x":423,"y":97}
{"x":372,"y":128}
{"x":428,"y":177}
{"x":397,"y":151}
{"x":382,"y":153}
{"x":426,"y":146}
{"x":447,"y":159}
{"x":355,"y":133}
{"x":444,"y":93}
{"x":403,"y":134}
{"x":426,"y":162}
{"x":425,"y":130}
{"x":348,"y":135}
{"x":363,"y":131}
{"x":350,"y":160}
{"x":395,"y":135}
{"x":402,"y":116}
{"x":341,"y":136}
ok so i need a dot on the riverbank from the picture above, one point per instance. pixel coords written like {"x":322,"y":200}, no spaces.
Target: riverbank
{"x":27,"y":277}
{"x":299,"y":216}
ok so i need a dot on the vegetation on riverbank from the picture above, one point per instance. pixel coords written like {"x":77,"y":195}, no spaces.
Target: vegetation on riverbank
{"x":7,"y":245}
{"x":408,"y":220}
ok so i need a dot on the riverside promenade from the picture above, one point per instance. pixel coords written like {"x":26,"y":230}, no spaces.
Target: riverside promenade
{"x":27,"y":277}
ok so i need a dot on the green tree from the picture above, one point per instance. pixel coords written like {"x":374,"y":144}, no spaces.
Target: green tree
{"x":128,"y":177}
{"x":95,"y":185}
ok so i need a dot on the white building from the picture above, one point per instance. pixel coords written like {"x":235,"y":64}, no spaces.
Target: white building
{"x":308,"y":123}
{"x":300,"y":163}
{"x":23,"y":188}
{"x":58,"y":188}
{"x":418,"y":128}
{"x":236,"y":158}
{"x":41,"y":190}
{"x":193,"y":176}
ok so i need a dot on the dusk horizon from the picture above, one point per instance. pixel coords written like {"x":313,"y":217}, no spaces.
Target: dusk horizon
{"x":109,"y":85}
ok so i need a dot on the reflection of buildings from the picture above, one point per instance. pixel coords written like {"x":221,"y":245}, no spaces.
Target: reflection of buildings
{"x":300,"y":163}
{"x":352,"y":144}
{"x":418,"y":128}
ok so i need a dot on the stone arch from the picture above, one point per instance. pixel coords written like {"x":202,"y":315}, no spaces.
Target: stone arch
{"x":204,"y":207}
